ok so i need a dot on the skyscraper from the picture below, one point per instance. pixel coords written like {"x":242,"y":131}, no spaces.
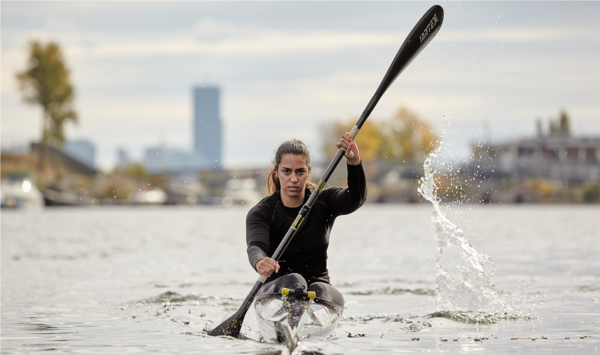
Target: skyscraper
{"x":208,"y":134}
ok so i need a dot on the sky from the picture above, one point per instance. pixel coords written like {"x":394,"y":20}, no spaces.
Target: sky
{"x":287,"y":69}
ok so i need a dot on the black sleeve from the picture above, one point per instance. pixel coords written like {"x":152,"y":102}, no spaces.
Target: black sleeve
{"x":257,"y":234}
{"x":345,"y":201}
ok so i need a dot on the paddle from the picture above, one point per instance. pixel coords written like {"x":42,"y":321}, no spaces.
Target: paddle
{"x":417,"y":39}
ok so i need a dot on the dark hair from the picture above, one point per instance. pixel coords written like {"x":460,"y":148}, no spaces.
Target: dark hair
{"x":294,"y":147}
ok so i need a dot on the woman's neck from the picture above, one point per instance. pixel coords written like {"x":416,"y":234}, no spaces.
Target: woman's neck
{"x":293,"y":201}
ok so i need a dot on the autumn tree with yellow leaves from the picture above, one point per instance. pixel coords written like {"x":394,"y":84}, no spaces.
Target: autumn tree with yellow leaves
{"x":403,"y":138}
{"x":399,"y":143}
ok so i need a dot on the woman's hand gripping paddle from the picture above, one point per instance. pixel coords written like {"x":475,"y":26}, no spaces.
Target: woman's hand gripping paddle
{"x":423,"y":32}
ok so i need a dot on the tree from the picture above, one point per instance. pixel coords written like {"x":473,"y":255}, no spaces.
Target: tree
{"x":368,"y":140}
{"x":561,"y":125}
{"x":45,"y":82}
{"x":564,"y":123}
{"x":405,"y":137}
{"x":402,"y":140}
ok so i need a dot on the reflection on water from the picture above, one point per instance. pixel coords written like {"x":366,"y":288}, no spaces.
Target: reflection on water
{"x":126,"y":280}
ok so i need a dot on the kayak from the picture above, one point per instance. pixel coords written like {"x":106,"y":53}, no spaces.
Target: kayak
{"x":292,"y":315}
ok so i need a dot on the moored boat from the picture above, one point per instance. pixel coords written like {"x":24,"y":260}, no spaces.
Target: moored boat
{"x":20,"y":193}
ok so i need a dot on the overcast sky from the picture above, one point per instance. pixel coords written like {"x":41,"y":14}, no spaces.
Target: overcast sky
{"x":288,"y":68}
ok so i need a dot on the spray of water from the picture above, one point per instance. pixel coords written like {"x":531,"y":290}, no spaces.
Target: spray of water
{"x":464,"y":290}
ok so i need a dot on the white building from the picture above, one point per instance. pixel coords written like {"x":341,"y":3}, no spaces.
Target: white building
{"x":557,"y":157}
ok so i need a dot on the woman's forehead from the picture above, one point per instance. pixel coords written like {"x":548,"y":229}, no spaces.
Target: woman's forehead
{"x":293,"y":161}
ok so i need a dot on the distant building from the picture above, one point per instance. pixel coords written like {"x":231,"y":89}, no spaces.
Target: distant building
{"x":122,"y":157}
{"x":16,"y":148}
{"x":208,"y":133}
{"x":208,"y":138}
{"x":162,"y":159}
{"x":557,"y":157}
{"x":82,"y":150}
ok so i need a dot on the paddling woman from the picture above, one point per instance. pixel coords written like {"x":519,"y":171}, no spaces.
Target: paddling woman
{"x":305,"y":259}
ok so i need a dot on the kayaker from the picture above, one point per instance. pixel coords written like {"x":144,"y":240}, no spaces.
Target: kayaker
{"x":305,"y":259}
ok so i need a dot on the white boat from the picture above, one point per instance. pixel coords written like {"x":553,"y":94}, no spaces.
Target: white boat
{"x":156,"y":196}
{"x":294,"y":315}
{"x":20,"y":193}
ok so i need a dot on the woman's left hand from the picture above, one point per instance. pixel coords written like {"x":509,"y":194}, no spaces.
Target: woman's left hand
{"x":352,"y":155}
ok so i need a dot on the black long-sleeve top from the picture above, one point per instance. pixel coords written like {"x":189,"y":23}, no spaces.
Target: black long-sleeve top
{"x":268,"y":222}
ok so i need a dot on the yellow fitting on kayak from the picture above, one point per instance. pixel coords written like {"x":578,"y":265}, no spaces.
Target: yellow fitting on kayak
{"x":312,"y":294}
{"x":285,"y":291}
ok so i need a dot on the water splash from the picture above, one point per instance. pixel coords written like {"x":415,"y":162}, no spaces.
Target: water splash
{"x":464,"y":291}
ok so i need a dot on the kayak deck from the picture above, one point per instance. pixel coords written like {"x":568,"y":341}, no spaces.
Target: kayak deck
{"x":289,"y":319}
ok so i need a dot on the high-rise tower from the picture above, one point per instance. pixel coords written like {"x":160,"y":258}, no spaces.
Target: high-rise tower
{"x":208,"y":134}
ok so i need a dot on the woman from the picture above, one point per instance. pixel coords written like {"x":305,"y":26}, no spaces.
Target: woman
{"x":305,"y":259}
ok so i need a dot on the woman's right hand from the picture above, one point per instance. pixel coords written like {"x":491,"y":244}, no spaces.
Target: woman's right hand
{"x":267,"y":266}
{"x":351,"y":149}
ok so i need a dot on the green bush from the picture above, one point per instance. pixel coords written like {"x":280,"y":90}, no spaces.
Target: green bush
{"x":592,"y":194}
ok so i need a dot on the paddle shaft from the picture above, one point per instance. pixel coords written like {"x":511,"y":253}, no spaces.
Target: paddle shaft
{"x":415,"y":42}
{"x":417,"y":39}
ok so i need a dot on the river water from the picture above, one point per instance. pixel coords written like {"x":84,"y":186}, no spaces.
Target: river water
{"x":153,"y":279}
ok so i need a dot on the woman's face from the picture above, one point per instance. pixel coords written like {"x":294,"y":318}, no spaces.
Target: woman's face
{"x":293,"y":173}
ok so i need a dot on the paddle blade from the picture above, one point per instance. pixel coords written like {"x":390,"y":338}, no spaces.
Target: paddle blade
{"x":420,"y":36}
{"x":233,"y":325}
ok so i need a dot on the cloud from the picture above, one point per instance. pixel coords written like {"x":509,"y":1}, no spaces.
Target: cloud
{"x":211,"y":37}
{"x":271,"y":42}
{"x":518,"y":35}
{"x":133,"y":72}
{"x":210,"y":28}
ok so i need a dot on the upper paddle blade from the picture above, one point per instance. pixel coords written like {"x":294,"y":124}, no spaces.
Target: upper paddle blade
{"x":423,"y":32}
{"x":420,"y":36}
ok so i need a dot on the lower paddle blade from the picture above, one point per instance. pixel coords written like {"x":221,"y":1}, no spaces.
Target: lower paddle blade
{"x":231,"y":326}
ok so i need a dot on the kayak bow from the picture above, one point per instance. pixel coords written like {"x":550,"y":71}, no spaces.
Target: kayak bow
{"x":293,"y":315}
